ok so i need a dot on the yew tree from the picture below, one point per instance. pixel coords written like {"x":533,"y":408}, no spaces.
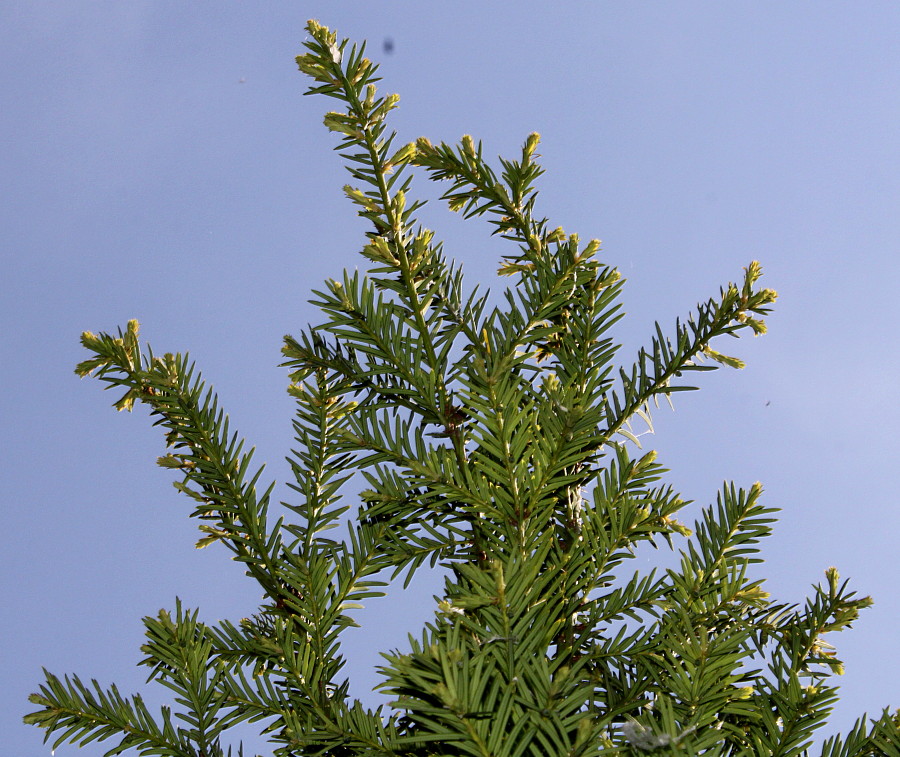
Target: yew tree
{"x":493,"y":438}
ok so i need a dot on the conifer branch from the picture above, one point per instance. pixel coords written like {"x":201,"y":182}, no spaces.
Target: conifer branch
{"x":488,"y":442}
{"x":211,"y":458}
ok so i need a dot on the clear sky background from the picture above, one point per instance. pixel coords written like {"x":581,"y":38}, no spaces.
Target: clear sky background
{"x":159,"y":162}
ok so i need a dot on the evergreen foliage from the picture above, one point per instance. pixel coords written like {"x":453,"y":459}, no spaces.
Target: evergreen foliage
{"x":497,"y":443}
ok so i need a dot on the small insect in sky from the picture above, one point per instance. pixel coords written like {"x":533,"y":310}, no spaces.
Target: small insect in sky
{"x":388,"y":45}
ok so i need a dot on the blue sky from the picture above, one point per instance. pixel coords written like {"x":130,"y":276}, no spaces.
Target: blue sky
{"x":159,"y":162}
